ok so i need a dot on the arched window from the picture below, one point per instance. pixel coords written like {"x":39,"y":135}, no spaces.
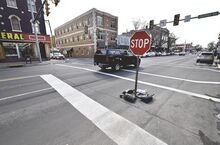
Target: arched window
{"x":15,"y":23}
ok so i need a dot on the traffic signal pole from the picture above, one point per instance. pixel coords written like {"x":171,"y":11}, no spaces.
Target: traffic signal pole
{"x":39,"y":11}
{"x":197,"y":17}
{"x":35,"y":31}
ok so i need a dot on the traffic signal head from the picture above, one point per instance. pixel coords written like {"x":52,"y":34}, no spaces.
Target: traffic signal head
{"x":176,"y":19}
{"x":151,"y":24}
{"x":47,"y":8}
{"x":56,"y":2}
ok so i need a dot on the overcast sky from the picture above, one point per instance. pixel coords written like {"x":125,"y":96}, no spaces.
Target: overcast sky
{"x":198,"y":31}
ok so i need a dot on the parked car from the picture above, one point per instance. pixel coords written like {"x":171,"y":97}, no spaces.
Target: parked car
{"x":182,"y":53}
{"x":149,"y":54}
{"x":56,"y":55}
{"x":164,"y":54}
{"x":114,"y":58}
{"x":158,"y":53}
{"x":205,"y":57}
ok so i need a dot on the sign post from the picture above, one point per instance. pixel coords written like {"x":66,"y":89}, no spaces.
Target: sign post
{"x":140,"y":43}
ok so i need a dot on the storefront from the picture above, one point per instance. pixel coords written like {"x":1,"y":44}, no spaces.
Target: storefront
{"x":16,"y":46}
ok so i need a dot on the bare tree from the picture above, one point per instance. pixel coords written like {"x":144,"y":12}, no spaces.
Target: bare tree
{"x":136,"y":24}
{"x":211,"y":46}
{"x":144,"y":24}
{"x":198,"y":47}
{"x":172,"y":39}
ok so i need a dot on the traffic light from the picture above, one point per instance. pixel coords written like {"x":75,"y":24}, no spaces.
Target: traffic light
{"x":56,"y":2}
{"x":151,"y":24}
{"x":176,"y":19}
{"x":47,"y":8}
{"x":86,"y":29}
{"x":219,"y":36}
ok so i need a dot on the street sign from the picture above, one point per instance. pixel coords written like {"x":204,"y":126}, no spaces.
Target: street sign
{"x":140,"y":43}
{"x":163,"y":23}
{"x":187,"y":18}
{"x":208,"y":15}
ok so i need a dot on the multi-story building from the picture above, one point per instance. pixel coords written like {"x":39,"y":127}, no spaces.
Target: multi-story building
{"x":159,"y":38}
{"x":17,"y":39}
{"x":83,"y":35}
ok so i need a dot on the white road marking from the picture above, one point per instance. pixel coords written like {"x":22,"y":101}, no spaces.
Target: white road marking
{"x":120,"y":130}
{"x":149,"y":84}
{"x":18,"y":78}
{"x":174,"y":78}
{"x":27,"y":93}
{"x":187,"y":67}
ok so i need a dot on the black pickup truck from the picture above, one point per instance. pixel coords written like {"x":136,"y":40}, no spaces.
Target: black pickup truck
{"x":114,"y":58}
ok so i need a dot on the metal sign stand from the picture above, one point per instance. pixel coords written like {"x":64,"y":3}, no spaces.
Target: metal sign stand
{"x":133,"y":94}
{"x":136,"y":77}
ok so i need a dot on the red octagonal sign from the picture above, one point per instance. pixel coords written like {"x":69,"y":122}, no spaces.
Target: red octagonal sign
{"x":140,"y":43}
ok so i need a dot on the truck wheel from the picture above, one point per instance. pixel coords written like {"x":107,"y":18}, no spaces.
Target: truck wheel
{"x":116,"y":67}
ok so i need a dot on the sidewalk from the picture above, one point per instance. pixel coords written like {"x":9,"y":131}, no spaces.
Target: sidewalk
{"x":23,"y":63}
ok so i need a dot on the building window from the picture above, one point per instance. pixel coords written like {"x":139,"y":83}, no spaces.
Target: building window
{"x":15,"y":23}
{"x":100,"y":35}
{"x":113,"y":24}
{"x":11,"y":3}
{"x":99,"y":21}
{"x":32,"y":4}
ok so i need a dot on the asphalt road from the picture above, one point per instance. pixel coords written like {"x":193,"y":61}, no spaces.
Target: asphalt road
{"x":54,"y":104}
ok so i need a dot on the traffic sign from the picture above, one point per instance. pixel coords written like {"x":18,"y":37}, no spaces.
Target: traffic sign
{"x":187,"y":18}
{"x":140,"y":43}
{"x":163,"y":23}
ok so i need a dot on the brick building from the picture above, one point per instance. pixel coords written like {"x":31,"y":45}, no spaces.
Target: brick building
{"x":83,"y":35}
{"x":17,"y":37}
{"x":159,"y":38}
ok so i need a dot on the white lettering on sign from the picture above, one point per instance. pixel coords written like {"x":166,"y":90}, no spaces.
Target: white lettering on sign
{"x":139,"y":43}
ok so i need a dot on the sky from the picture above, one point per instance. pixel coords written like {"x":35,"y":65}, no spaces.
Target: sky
{"x":197,"y":31}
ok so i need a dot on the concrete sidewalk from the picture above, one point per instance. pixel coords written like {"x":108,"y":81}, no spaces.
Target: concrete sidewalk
{"x":23,"y":63}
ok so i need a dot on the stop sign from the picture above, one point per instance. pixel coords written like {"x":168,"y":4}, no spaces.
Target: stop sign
{"x":140,"y":43}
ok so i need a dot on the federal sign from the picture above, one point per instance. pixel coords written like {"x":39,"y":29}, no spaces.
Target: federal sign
{"x":140,"y":43}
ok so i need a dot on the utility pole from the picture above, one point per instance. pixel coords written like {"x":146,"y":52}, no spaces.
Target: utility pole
{"x":35,"y":32}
